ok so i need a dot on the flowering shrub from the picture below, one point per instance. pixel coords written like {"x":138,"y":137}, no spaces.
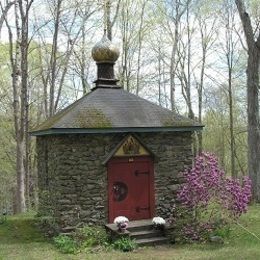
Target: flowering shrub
{"x":211,"y":198}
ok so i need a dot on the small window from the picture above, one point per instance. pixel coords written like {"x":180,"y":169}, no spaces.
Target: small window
{"x":120,"y":191}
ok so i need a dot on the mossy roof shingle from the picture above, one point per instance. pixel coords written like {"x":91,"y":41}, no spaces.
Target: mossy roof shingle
{"x":114,"y":108}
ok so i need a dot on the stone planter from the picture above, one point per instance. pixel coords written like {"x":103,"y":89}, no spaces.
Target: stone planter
{"x":122,"y":227}
{"x":159,"y":227}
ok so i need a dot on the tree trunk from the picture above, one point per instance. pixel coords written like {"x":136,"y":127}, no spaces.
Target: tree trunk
{"x":140,"y":45}
{"x":159,"y":76}
{"x":173,"y":68}
{"x":252,"y":99}
{"x":231,"y":124}
{"x":27,"y":162}
{"x":222,"y":152}
{"x":53,"y":61}
{"x":108,"y":19}
{"x":20,"y":151}
{"x":190,"y":113}
{"x":200,"y":89}
{"x":24,"y":113}
{"x":108,"y":22}
{"x":253,"y":120}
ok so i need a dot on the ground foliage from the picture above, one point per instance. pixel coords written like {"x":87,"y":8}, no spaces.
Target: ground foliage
{"x":91,"y":239}
{"x":124,"y":244}
{"x":20,"y":238}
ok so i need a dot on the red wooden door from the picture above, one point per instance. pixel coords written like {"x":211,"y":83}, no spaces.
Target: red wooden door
{"x":131,"y":188}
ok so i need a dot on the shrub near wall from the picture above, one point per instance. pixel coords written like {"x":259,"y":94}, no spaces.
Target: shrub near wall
{"x":82,"y":239}
{"x":209,"y":201}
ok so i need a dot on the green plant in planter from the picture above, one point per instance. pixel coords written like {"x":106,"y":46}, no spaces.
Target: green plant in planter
{"x":125,"y":244}
{"x":65,"y":244}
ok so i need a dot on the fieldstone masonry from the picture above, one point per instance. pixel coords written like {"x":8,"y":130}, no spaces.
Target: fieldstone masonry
{"x":73,"y":180}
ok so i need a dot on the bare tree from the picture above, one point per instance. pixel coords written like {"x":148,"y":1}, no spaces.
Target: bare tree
{"x":253,"y":44}
{"x":140,"y":37}
{"x":161,"y":63}
{"x":126,"y":37}
{"x":55,"y":65}
{"x":207,"y":31}
{"x":184,"y":70}
{"x":230,"y":46}
{"x":128,"y":23}
{"x":18,"y":50}
{"x":175,"y":14}
{"x":82,"y":61}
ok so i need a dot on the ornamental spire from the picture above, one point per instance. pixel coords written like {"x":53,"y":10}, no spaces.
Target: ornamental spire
{"x":105,"y":53}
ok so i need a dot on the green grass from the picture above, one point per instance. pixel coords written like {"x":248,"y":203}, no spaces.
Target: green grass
{"x":20,"y":239}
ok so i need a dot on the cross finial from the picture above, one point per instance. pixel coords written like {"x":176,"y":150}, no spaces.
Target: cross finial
{"x":105,"y":17}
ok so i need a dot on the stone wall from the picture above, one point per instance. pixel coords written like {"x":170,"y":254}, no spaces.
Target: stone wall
{"x":173,"y":153}
{"x":73,"y":180}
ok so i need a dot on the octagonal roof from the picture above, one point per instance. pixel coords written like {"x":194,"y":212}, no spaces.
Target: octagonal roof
{"x":114,"y":110}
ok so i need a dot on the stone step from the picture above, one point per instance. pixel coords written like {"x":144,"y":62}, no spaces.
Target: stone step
{"x":146,"y":234}
{"x":140,"y":225}
{"x":136,"y":225}
{"x":67,"y":229}
{"x":142,"y":231}
{"x":154,"y":241}
{"x":68,"y":234}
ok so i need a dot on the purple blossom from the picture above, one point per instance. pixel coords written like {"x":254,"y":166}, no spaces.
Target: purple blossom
{"x":206,"y":184}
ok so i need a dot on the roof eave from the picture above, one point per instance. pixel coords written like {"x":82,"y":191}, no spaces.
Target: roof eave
{"x":60,"y":131}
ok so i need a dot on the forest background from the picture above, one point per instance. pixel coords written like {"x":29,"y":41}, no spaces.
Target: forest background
{"x":190,"y":56}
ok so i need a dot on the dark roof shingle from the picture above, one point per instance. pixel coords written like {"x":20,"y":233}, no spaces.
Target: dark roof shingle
{"x":114,"y":108}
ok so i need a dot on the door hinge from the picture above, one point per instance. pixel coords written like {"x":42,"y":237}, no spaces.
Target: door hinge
{"x":138,"y":173}
{"x":138,"y":209}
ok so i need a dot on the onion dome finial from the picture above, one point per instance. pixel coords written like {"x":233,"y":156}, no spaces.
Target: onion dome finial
{"x":105,"y":51}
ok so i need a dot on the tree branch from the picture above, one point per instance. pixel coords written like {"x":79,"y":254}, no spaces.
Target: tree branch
{"x":246,"y":22}
{"x":4,"y":12}
{"x":258,"y":40}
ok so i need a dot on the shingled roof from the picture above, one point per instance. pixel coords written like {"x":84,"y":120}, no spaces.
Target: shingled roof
{"x":109,"y":108}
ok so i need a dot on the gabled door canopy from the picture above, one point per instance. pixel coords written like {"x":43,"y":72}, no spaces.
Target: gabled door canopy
{"x":129,"y":146}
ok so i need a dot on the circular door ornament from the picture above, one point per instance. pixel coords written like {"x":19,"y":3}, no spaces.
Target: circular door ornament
{"x":120,"y":191}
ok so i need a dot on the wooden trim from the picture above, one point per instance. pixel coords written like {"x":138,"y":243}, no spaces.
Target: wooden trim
{"x":61,"y":131}
{"x":152,"y":190}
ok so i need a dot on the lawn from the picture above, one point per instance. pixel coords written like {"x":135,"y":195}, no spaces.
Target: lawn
{"x":20,"y":239}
